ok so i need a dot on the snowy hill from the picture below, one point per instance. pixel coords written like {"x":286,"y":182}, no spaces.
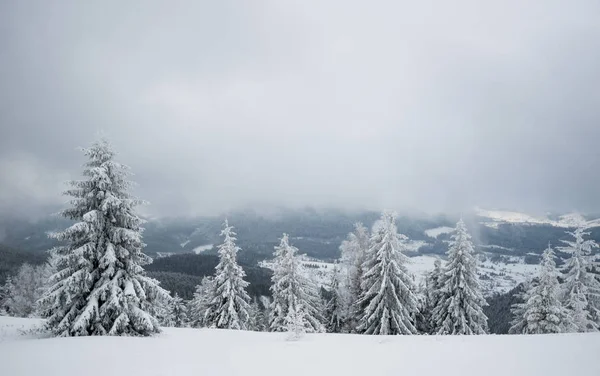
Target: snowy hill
{"x":496,"y":217}
{"x":195,"y":352}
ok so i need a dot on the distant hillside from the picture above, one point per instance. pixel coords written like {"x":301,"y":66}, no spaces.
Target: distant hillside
{"x":317,"y":233}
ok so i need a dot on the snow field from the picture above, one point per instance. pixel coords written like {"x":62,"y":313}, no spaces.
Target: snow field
{"x":196,"y":352}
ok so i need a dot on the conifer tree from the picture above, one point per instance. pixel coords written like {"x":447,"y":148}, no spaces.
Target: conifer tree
{"x":581,"y":289}
{"x":100,"y":286}
{"x":459,"y":310}
{"x":389,"y":292}
{"x":178,"y":312}
{"x":198,"y":306}
{"x":24,"y":289}
{"x":295,"y":319}
{"x":353,"y":251}
{"x":229,"y":301}
{"x":334,"y":310}
{"x":518,"y":309}
{"x":294,"y":299}
{"x":433,"y":292}
{"x":255,"y":312}
{"x":541,"y":310}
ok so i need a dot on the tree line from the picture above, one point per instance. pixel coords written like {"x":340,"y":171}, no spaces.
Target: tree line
{"x":96,"y":284}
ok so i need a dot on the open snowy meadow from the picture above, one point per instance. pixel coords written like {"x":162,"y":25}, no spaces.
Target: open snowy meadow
{"x":196,"y":352}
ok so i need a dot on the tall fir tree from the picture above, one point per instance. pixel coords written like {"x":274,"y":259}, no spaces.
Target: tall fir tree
{"x":334,"y":309}
{"x":459,"y":310}
{"x":229,"y":302}
{"x":353,"y":252}
{"x":389,"y":292}
{"x":295,"y":303}
{"x":581,"y":289}
{"x":199,"y":304}
{"x":100,"y":286}
{"x":541,"y":310}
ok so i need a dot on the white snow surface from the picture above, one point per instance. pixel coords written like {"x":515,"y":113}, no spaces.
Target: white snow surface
{"x":435,"y":232}
{"x":184,"y":352}
{"x":202,"y":248}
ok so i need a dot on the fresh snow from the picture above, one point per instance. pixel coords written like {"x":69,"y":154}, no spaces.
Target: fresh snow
{"x":184,"y":243}
{"x":202,"y":248}
{"x":435,"y":232}
{"x":184,"y":352}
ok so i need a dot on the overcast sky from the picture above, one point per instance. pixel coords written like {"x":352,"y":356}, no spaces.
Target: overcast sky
{"x":435,"y":106}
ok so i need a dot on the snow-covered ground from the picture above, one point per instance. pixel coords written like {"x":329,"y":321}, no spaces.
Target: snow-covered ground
{"x":196,"y":352}
{"x":202,"y":248}
{"x":568,"y":220}
{"x":435,"y":232}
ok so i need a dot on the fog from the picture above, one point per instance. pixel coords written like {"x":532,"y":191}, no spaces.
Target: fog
{"x":429,"y":106}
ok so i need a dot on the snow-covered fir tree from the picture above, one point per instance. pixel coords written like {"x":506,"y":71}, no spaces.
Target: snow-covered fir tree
{"x":431,"y":294}
{"x":581,"y":289}
{"x":162,"y":312}
{"x":334,"y":309}
{"x":229,"y":301}
{"x":253,"y":313}
{"x":100,"y":286}
{"x":353,"y":253}
{"x":295,"y":319}
{"x":178,"y":312}
{"x":262,"y":318}
{"x":292,"y":292}
{"x":541,"y":310}
{"x":4,"y":297}
{"x":389,"y":292}
{"x":518,"y":309}
{"x":459,"y":310}
{"x":24,"y":289}
{"x":198,"y":306}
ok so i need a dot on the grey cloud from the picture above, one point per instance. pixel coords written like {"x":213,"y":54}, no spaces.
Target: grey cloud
{"x":432,"y":107}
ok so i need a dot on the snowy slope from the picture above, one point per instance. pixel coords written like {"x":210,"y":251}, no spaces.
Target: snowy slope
{"x":196,"y":352}
{"x":567,"y":221}
{"x":435,"y":232}
{"x":202,"y":248}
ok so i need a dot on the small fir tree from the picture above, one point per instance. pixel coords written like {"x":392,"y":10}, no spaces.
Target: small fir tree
{"x":229,"y":301}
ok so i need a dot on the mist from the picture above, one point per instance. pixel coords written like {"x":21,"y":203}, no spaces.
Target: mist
{"x":427,"y":107}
